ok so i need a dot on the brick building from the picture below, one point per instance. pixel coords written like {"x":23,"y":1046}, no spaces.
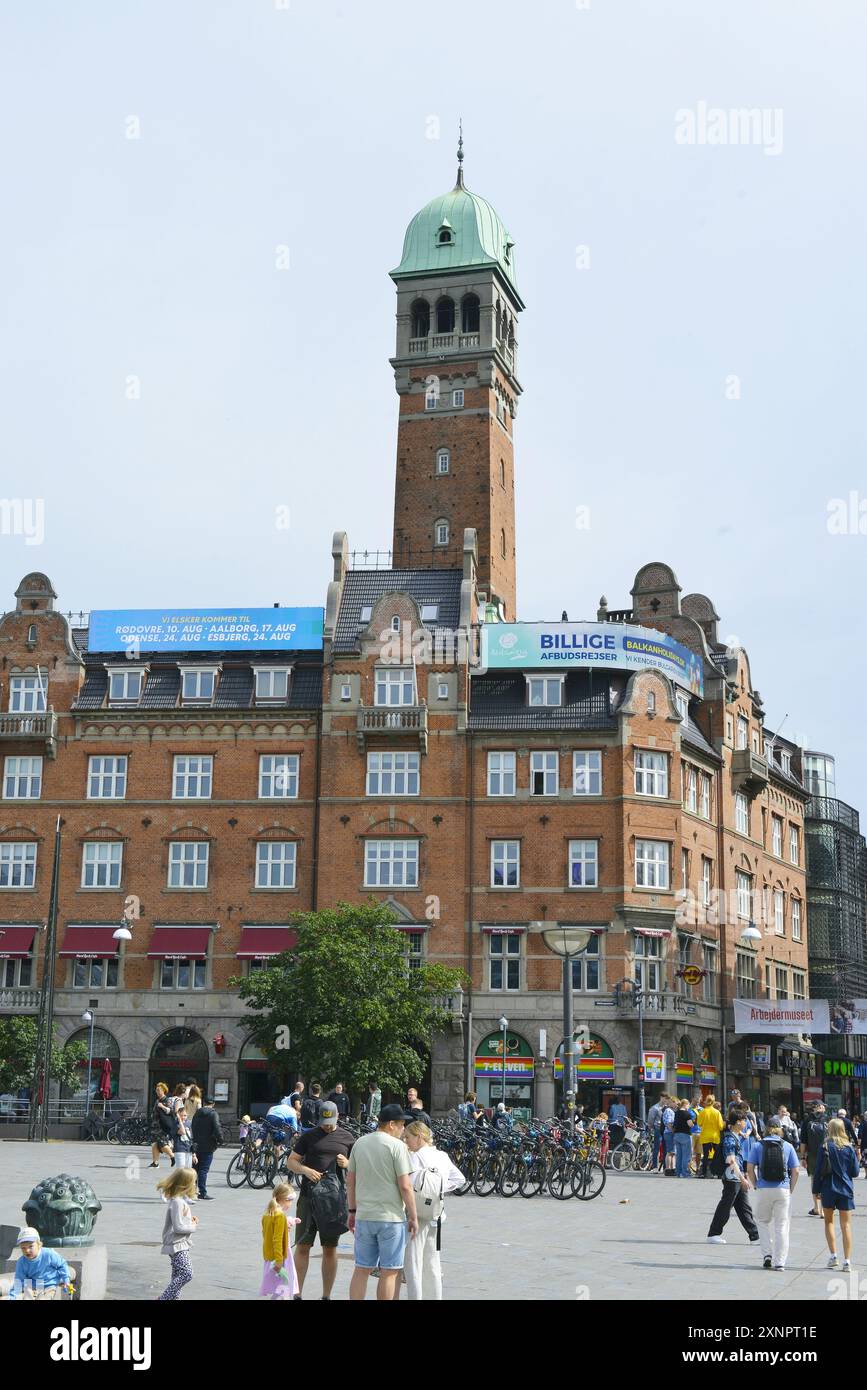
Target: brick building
{"x":485,"y":803}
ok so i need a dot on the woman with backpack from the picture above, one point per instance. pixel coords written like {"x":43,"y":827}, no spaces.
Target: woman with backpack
{"x":433,"y":1175}
{"x":836,"y":1170}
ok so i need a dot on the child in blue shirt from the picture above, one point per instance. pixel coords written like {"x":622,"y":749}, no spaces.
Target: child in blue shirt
{"x":39,"y":1273}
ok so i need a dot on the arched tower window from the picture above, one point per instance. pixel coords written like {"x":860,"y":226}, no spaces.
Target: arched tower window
{"x":441,"y":532}
{"x":503,"y":544}
{"x":446,"y":316}
{"x":470,"y":313}
{"x":444,"y":461}
{"x":445,"y":235}
{"x":420,"y":316}
{"x":502,"y":474}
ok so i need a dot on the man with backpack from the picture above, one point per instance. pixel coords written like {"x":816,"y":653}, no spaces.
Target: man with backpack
{"x":814,"y":1132}
{"x":319,"y":1157}
{"x":312,"y":1107}
{"x":726,"y":1164}
{"x":773,"y":1167}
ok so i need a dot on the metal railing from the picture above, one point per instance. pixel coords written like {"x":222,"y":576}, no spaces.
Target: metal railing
{"x":71,"y":1111}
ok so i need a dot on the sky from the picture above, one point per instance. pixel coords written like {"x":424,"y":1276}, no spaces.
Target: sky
{"x":201,"y":206}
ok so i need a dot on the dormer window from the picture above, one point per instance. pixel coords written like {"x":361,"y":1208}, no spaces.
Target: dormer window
{"x":446,"y":235}
{"x":198,"y":685}
{"x":366,"y":613}
{"x":785,"y":761}
{"x":271,"y":684}
{"x":545,"y":691}
{"x":682,"y":702}
{"x":124,"y":685}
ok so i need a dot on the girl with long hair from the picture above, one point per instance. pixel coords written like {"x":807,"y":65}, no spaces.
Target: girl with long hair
{"x":836,"y":1169}
{"x":178,"y":1189}
{"x":279,"y":1278}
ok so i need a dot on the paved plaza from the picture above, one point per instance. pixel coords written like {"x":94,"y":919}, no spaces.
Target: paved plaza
{"x":643,"y":1238}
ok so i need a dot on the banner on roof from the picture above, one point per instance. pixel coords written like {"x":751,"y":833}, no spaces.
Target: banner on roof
{"x":564,"y":646}
{"x":137,"y":630}
{"x":782,"y":1016}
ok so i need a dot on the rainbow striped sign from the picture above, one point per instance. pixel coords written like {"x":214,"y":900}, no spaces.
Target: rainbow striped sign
{"x":589,"y":1068}
{"x":706,"y":1075}
{"x":684,"y":1073}
{"x":517,"y":1068}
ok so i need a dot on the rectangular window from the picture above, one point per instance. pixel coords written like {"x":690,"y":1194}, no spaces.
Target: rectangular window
{"x":278,"y":776}
{"x":652,"y":863}
{"x":768,"y":983}
{"x":501,"y":774}
{"x":505,"y":961}
{"x":742,"y":814}
{"x":414,"y":943}
{"x":101,"y":864}
{"x":544,"y":774}
{"x":505,"y":863}
{"x":730,"y":729}
{"x":709,"y":983}
{"x":684,"y":868}
{"x":545,"y":692}
{"x":586,"y":773}
{"x":22,"y":780}
{"x":785,"y":761}
{"x":682,"y":702}
{"x":106,"y":779}
{"x":796,"y":919}
{"x":585,"y":968}
{"x":651,"y":773}
{"x":124,"y":686}
{"x":275,"y":864}
{"x":794,"y":845}
{"x":17,"y":865}
{"x":745,"y":975}
{"x":395,"y":685}
{"x":705,"y":883}
{"x":393,"y":774}
{"x":777,"y":836}
{"x":799,"y":984}
{"x":781,"y":975}
{"x":272,"y":684}
{"x":197,"y":687}
{"x":744,"y":890}
{"x":705,"y":797}
{"x":183,"y":974}
{"x":584,"y":863}
{"x":458,"y":399}
{"x":188,"y":864}
{"x":94,"y":974}
{"x":743,"y":732}
{"x":27,"y":694}
{"x":648,"y":963}
{"x":16,"y":973}
{"x":779,"y":913}
{"x":691,"y":797}
{"x":192,"y":779}
{"x":391,"y":864}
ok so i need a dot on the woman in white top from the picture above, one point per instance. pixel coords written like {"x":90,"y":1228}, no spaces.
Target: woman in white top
{"x":421,"y":1268}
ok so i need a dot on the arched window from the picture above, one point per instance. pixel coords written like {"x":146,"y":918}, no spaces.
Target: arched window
{"x":470,"y":313}
{"x":441,"y":532}
{"x":499,"y":320}
{"x":420,"y":316}
{"x":444,"y":460}
{"x":512,"y":334}
{"x":445,"y":235}
{"x":502,"y":474}
{"x":179,"y":1054}
{"x":104,"y":1047}
{"x":446,"y":316}
{"x":503,"y":544}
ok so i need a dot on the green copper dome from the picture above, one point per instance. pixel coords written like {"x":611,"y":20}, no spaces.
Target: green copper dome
{"x":454,"y":231}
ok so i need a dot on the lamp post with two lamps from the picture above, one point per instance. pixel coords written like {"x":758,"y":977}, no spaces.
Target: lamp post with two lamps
{"x":568,"y":942}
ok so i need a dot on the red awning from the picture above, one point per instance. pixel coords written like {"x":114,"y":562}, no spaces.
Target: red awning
{"x":16,"y":942}
{"x":180,"y":943}
{"x":96,"y":943}
{"x":257,"y":943}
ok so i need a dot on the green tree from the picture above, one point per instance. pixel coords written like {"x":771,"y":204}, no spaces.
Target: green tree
{"x":18,"y":1057}
{"x":343,"y":1003}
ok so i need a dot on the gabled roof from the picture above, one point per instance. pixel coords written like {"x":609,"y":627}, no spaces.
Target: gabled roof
{"x":366,"y":587}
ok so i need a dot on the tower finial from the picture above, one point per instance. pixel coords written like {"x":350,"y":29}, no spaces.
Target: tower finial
{"x":460,"y":182}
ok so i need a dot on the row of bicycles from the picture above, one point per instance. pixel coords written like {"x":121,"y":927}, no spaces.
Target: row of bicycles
{"x":262,"y":1160}
{"x":539,"y":1158}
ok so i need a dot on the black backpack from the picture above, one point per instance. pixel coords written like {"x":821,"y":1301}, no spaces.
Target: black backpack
{"x":773,"y":1163}
{"x":330,"y":1205}
{"x":310,"y":1109}
{"x":718,"y":1162}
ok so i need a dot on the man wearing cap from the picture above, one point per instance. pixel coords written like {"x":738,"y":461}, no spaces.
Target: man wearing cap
{"x":39,"y":1273}
{"x":315,"y":1153}
{"x":382,"y":1211}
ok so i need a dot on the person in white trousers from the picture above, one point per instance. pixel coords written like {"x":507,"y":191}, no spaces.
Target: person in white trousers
{"x":422,"y":1270}
{"x":772,"y":1197}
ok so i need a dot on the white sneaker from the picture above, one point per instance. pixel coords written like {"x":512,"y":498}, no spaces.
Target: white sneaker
{"x":716,"y":1240}
{"x":832,"y":1262}
{"x":847,"y":1264}
{"x":781,"y":1268}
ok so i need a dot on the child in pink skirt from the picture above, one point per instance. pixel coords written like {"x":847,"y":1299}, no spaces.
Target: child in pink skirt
{"x":279,"y":1279}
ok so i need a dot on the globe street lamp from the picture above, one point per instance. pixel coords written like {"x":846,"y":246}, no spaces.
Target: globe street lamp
{"x":87,"y":1017}
{"x":504,"y":1023}
{"x":568,"y":942}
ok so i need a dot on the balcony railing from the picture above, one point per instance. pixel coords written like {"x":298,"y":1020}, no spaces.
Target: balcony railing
{"x":19,"y":1000}
{"x":41,"y":728}
{"x":443,"y":342}
{"x":399,"y":719}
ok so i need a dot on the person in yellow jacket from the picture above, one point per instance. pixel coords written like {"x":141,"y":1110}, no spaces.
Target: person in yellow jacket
{"x":710,"y":1125}
{"x":279,"y":1279}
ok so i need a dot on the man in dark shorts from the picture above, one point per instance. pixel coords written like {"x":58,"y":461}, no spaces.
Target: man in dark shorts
{"x":314,"y":1154}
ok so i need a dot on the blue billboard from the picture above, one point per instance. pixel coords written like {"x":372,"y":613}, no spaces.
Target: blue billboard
{"x":137,"y":630}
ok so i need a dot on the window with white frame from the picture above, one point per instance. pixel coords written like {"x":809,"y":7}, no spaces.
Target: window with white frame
{"x":651,"y":773}
{"x":458,"y":399}
{"x":27,"y":694}
{"x":711,"y":965}
{"x":102,"y":864}
{"x":17,"y":865}
{"x":769,"y":984}
{"x":16,"y":973}
{"x":652,"y":863}
{"x":785,"y":761}
{"x":648,"y":963}
{"x":124,"y":686}
{"x":444,"y":460}
{"x":183,"y":974}
{"x":275,"y":864}
{"x":272,"y":683}
{"x":777,"y":836}
{"x":198,"y":686}
{"x":684,"y":868}
{"x":684,"y":950}
{"x":583,"y":863}
{"x":796,"y":919}
{"x":192,"y":778}
{"x":705,"y":882}
{"x":544,"y":774}
{"x":393,"y":774}
{"x":188,"y":864}
{"x":504,"y":959}
{"x":779,"y":913}
{"x":395,"y":685}
{"x":22,"y":779}
{"x":682,"y":701}
{"x":414,"y":945}
{"x":781,"y":974}
{"x":106,"y":779}
{"x":705,"y":797}
{"x":742,"y":814}
{"x":744,"y":893}
{"x":501,"y":774}
{"x":545,"y":691}
{"x":441,"y":532}
{"x":743,"y":732}
{"x":432,"y":395}
{"x":94,"y":974}
{"x":442,"y":690}
{"x":745,"y":975}
{"x":794,"y":845}
{"x":651,"y":702}
{"x":391,"y":864}
{"x":505,"y":863}
{"x":691,"y":797}
{"x":585,"y":967}
{"x":730,"y":729}
{"x":586,"y":773}
{"x":799,"y":984}
{"x":278,"y":776}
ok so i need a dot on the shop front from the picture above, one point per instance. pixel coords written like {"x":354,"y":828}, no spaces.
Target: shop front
{"x":844,"y":1085}
{"x":777,"y":1073}
{"x":594,"y":1071}
{"x":178,"y":1055}
{"x":511,"y":1068}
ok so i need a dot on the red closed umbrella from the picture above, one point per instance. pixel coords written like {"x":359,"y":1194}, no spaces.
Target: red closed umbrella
{"x":103,"y":1090}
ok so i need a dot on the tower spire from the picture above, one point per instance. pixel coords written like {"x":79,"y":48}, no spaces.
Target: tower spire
{"x":460,"y":182}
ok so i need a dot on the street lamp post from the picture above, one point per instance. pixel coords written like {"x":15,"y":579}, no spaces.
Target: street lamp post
{"x":504,"y":1024}
{"x":87,"y":1017}
{"x":568,"y":942}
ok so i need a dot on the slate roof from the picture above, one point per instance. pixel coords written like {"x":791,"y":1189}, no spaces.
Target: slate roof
{"x":692,"y":734}
{"x":362,"y":587}
{"x":235,"y":689}
{"x":500,"y":702}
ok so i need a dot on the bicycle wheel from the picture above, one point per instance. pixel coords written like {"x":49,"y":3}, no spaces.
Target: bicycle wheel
{"x":644,"y":1156}
{"x":588,"y":1181}
{"x":560,"y":1181}
{"x":237,"y":1171}
{"x":622,"y":1157}
{"x":532,"y":1178}
{"x":111,"y":1133}
{"x":486,"y":1180}
{"x":257,"y":1175}
{"x":510,"y":1178}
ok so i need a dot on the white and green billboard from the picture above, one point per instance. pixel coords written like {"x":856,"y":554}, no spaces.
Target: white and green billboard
{"x":564,"y":646}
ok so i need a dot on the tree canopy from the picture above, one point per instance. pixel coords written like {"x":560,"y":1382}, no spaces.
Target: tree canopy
{"x":18,"y":1057}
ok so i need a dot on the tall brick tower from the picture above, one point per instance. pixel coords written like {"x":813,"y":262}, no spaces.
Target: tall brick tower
{"x":455,"y":374}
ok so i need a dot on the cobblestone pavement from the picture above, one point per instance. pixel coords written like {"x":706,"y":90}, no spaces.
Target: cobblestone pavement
{"x":643,"y":1238}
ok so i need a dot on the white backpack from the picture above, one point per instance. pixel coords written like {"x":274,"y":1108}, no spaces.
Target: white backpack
{"x":428,"y":1186}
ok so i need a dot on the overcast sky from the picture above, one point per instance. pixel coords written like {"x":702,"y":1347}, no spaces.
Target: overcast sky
{"x":694,"y":375}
